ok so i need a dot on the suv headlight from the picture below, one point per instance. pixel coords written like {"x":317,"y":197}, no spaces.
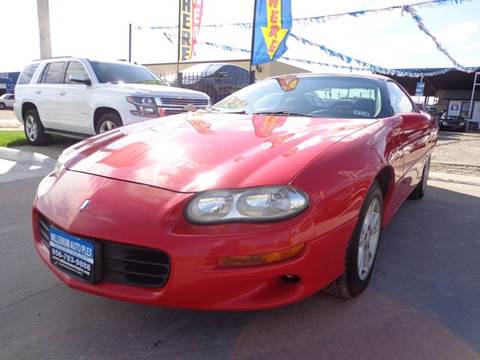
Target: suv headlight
{"x":265,"y":203}
{"x":145,"y":106}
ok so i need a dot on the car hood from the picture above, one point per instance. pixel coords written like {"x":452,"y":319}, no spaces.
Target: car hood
{"x":199,"y":151}
{"x":155,"y":90}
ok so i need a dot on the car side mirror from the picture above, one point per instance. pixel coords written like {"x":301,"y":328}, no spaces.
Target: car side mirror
{"x":78,"y":78}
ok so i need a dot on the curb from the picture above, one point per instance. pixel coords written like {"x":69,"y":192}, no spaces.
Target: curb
{"x":454,"y":178}
{"x":25,"y":157}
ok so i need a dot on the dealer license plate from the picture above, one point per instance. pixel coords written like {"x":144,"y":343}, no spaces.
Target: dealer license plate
{"x":72,"y":254}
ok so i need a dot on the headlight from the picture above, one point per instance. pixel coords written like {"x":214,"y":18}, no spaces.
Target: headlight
{"x":145,"y":106}
{"x":266,"y":203}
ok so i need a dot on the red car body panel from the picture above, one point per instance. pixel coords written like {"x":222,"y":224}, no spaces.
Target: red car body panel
{"x":212,"y":150}
{"x":140,"y":178}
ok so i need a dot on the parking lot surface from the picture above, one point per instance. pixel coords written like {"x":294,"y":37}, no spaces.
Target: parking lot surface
{"x":422,"y":303}
{"x":8,"y":120}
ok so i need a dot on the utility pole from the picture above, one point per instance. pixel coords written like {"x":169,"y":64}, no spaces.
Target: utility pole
{"x":43,"y":14}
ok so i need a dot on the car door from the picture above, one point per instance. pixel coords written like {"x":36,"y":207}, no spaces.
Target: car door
{"x":10,"y":100}
{"x":73,"y":100}
{"x":415,"y":133}
{"x":46,"y":93}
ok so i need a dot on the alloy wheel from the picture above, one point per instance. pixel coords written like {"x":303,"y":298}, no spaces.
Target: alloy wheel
{"x":31,"y":128}
{"x":106,"y":126}
{"x":426,"y":171}
{"x":369,"y":236}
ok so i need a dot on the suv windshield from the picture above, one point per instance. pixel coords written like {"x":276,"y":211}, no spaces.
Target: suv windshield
{"x":124,"y":73}
{"x":316,"y":96}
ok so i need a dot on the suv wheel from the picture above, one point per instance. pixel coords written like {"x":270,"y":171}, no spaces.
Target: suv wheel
{"x":108,"y":122}
{"x":34,"y":130}
{"x":2,"y":106}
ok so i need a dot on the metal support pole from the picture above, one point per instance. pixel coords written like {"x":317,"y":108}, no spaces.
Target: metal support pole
{"x":129,"y":42}
{"x":252,"y":47}
{"x":179,"y":39}
{"x":470,"y":109}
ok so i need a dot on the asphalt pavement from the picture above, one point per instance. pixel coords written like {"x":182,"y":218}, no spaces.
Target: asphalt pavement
{"x":422,"y":303}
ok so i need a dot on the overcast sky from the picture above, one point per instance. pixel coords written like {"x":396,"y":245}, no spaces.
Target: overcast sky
{"x":99,"y":29}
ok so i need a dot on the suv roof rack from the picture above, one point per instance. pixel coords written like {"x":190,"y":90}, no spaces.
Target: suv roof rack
{"x":53,"y":57}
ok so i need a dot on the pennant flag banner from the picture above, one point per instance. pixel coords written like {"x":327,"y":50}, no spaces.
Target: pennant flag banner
{"x":324,"y":18}
{"x":377,"y":69}
{"x":440,"y":48}
{"x":190,"y":22}
{"x":273,"y":21}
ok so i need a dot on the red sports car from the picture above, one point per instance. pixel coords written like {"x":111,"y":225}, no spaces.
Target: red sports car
{"x":274,"y":193}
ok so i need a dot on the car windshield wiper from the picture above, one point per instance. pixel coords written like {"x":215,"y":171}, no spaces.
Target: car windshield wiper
{"x":284,"y":113}
{"x":217,"y":110}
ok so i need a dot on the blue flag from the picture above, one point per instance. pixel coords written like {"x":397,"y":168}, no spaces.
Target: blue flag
{"x":273,"y":21}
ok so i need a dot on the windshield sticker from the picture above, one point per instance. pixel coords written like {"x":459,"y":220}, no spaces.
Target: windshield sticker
{"x":288,"y":83}
{"x":233,"y":103}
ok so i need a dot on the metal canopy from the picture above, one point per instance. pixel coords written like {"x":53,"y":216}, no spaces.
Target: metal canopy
{"x":451,"y":80}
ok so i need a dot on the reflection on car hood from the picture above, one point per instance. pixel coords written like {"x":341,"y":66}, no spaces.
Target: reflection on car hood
{"x":198,"y":151}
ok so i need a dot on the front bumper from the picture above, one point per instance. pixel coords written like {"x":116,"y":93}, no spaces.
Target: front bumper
{"x":453,"y":125}
{"x":149,"y":217}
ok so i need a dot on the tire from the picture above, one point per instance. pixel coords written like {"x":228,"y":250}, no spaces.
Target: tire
{"x":2,"y":106}
{"x":33,"y":128}
{"x":357,"y":273}
{"x":421,"y":188}
{"x":107,"y":122}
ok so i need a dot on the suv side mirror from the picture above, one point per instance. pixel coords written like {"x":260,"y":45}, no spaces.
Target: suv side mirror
{"x":81,"y":79}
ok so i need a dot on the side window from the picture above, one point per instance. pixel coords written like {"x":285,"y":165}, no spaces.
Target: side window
{"x":75,"y":68}
{"x":27,"y":74}
{"x":399,"y":100}
{"x":54,"y":73}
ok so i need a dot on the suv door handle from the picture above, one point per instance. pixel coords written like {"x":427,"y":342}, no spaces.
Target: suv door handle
{"x":61,"y":93}
{"x":38,"y":91}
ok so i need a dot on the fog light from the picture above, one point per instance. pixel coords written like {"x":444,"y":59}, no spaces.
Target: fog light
{"x":261,"y":259}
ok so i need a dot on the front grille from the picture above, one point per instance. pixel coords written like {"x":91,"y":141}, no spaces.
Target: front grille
{"x":126,"y":264}
{"x":43,"y":227}
{"x":183,"y":101}
{"x":173,"y":111}
{"x":134,"y":265}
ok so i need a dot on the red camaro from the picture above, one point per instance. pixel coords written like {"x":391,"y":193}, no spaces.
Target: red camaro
{"x":274,"y":193}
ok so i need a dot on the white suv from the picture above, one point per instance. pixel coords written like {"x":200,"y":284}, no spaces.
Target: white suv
{"x":78,"y":97}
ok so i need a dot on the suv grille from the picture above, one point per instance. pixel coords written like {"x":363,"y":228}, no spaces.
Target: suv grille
{"x":183,"y":101}
{"x":126,"y":264}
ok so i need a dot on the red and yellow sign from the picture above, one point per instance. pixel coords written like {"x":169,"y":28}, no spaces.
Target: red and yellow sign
{"x":190,"y":21}
{"x":273,"y":33}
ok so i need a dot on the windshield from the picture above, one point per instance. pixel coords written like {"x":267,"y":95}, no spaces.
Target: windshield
{"x":321,"y":96}
{"x":124,"y":73}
